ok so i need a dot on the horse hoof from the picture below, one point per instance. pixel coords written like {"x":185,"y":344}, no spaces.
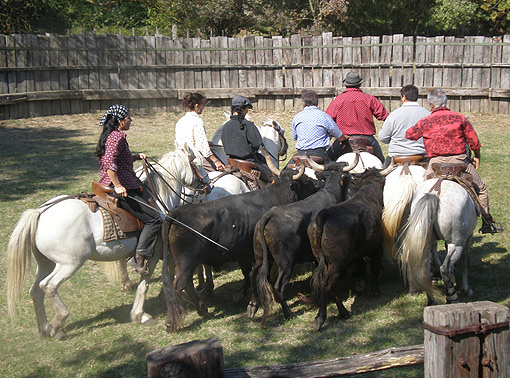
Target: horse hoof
{"x":289,"y":315}
{"x":128,"y":286}
{"x":470,"y":293}
{"x":59,"y":335}
{"x":200,"y":289}
{"x":147,"y":320}
{"x":318,"y":322}
{"x":252,"y":309}
{"x":202,"y":311}
{"x":344,"y":314}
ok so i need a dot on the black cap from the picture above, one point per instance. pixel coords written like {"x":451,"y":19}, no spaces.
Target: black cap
{"x":242,"y":101}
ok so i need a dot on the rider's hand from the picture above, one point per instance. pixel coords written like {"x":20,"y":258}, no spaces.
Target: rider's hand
{"x":476,"y":162}
{"x":142,"y":156}
{"x":120,"y":190}
{"x":219,"y":165}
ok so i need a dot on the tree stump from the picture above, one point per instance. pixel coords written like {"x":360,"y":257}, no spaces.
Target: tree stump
{"x":196,"y":359}
{"x":467,"y":340}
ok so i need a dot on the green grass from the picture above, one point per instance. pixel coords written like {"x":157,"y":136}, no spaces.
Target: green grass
{"x":46,"y":156}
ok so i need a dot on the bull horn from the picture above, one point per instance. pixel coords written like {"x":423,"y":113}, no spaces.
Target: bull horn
{"x":270,"y":164}
{"x":353,"y":165}
{"x":315,"y":166}
{"x":298,"y":175}
{"x":388,"y":169}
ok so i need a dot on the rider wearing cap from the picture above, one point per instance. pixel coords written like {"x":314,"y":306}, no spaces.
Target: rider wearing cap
{"x":241,"y":138}
{"x":353,"y":111}
{"x":445,"y":135}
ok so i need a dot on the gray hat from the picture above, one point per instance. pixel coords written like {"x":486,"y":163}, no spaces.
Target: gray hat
{"x":352,"y":79}
{"x":242,"y":101}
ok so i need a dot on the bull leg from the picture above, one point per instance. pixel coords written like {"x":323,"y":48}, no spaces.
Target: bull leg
{"x":279,"y":288}
{"x":184,"y":281}
{"x":44,"y":268}
{"x":465,"y":268}
{"x":253,"y":306}
{"x":50,"y":287}
{"x":246,"y":269}
{"x":375,"y":270}
{"x":201,"y":281}
{"x":200,"y":306}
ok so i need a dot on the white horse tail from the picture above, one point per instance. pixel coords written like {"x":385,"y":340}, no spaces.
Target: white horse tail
{"x":175,"y":312}
{"x":417,"y":242}
{"x":395,"y":203}
{"x":19,"y":252}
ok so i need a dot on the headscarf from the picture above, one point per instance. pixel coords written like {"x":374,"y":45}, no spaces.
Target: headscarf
{"x":116,"y":111}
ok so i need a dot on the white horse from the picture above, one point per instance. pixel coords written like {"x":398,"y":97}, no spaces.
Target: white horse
{"x":61,"y":237}
{"x":398,"y":192}
{"x":366,"y":160}
{"x":450,"y":216}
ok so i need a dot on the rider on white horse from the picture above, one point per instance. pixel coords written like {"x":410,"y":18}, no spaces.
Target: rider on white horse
{"x":190,"y":130}
{"x":393,"y":131}
{"x":241,"y":138}
{"x":116,"y":161}
{"x":445,"y":135}
{"x":313,"y":128}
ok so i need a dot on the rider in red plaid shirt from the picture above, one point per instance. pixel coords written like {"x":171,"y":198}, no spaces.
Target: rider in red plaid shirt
{"x":445,"y":136}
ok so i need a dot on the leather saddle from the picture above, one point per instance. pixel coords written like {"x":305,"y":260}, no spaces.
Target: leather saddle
{"x":104,"y":198}
{"x":245,"y":166}
{"x":452,"y":170}
{"x":360,"y":143}
{"x":409,"y":159}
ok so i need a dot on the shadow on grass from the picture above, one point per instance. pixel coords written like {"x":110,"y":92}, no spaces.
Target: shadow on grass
{"x":48,"y":157}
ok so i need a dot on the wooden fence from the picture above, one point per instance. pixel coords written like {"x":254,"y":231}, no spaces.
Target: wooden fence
{"x":63,"y":74}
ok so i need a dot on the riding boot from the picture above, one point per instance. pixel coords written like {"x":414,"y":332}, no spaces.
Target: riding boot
{"x":489,"y":225}
{"x":140,"y":263}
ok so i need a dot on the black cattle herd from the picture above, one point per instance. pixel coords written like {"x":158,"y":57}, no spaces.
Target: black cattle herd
{"x":296,"y":219}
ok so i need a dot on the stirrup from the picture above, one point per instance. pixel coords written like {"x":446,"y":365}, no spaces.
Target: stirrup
{"x":492,"y":227}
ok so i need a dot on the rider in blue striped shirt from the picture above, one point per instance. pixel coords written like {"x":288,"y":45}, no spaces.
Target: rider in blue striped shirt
{"x":313,"y":128}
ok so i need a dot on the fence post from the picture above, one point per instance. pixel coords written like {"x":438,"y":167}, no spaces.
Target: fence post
{"x":467,"y":340}
{"x":195,"y":359}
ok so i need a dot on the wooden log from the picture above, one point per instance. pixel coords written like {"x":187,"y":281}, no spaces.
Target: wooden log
{"x":195,"y":359}
{"x":336,"y":367}
{"x":467,"y":340}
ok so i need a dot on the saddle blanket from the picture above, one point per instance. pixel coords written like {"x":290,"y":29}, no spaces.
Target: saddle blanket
{"x":111,"y":231}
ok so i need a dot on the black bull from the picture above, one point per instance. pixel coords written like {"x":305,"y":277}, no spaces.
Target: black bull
{"x":229,"y":221}
{"x":343,"y":234}
{"x":281,"y":235}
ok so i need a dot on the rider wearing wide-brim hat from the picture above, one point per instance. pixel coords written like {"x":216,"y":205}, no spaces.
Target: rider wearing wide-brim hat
{"x":353,"y":111}
{"x":116,"y":170}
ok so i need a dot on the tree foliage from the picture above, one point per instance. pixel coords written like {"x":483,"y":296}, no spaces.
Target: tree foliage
{"x":263,"y":17}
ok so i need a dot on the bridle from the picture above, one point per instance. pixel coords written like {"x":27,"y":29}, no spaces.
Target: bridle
{"x":203,"y":189}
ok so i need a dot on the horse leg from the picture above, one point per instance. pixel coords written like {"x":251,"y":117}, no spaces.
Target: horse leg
{"x":453,"y":255}
{"x":50,"y":286}
{"x":125,"y":281}
{"x":44,"y":268}
{"x":137,"y":313}
{"x":464,"y":261}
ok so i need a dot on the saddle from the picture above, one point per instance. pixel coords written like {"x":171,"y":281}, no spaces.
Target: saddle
{"x":360,"y":143}
{"x":104,"y":199}
{"x":455,"y":172}
{"x":410,"y":159}
{"x":245,"y":166}
{"x":451,"y":170}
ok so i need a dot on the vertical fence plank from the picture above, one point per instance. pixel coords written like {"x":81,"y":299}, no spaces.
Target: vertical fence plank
{"x":456,"y":74}
{"x":338,"y":61}
{"x":429,"y":57}
{"x":485,"y":61}
{"x":477,"y":71}
{"x":327,"y":60}
{"x":250,"y":61}
{"x":279,"y":103}
{"x":495,"y":78}
{"x":224,"y":74}
{"x":467,"y":73}
{"x":268,"y":102}
{"x":4,"y":83}
{"x":365,"y":71}
{"x":397,"y":61}
{"x":233,"y":74}
{"x":437,"y":79}
{"x":297,"y":61}
{"x":287,"y":73}
{"x":408,"y":59}
{"x":215,"y":60}
{"x":384,"y":60}
{"x":197,"y":62}
{"x":241,"y":61}
{"x":206,"y":60}
{"x":31,"y":44}
{"x":307,"y":62}
{"x":504,"y":104}
{"x":160,"y":70}
{"x":316,"y":64}
{"x":172,"y":104}
{"x":21,"y":79}
{"x":419,"y":60}
{"x":261,"y":73}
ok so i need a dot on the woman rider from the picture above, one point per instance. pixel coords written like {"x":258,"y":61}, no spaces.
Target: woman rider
{"x":116,"y":161}
{"x":190,"y":129}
